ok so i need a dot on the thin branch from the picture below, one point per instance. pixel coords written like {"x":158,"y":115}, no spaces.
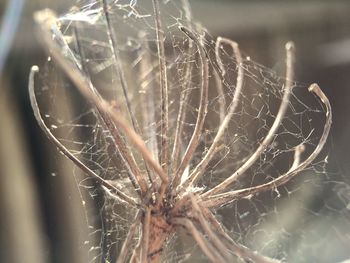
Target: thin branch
{"x":164,"y":151}
{"x":128,"y":240}
{"x":203,"y":105}
{"x":238,"y":249}
{"x":270,"y":135}
{"x":225,"y":198}
{"x":64,"y":150}
{"x":206,"y":247}
{"x":200,"y":168}
{"x":83,"y":85}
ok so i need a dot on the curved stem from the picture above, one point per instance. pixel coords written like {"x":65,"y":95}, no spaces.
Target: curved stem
{"x":200,"y":168}
{"x":270,"y":135}
{"x":228,"y":197}
{"x":64,"y":150}
{"x":203,"y":105}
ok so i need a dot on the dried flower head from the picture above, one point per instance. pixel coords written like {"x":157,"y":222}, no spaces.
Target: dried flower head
{"x":185,"y":124}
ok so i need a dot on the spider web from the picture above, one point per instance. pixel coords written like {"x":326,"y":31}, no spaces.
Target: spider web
{"x":296,"y":222}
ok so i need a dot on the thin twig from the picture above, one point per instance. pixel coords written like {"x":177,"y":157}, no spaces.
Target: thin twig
{"x":64,"y":150}
{"x":202,"y":111}
{"x":271,"y":133}
{"x":226,"y":198}
{"x":200,"y":168}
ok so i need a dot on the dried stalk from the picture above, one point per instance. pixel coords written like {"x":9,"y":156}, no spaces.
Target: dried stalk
{"x":162,"y":209}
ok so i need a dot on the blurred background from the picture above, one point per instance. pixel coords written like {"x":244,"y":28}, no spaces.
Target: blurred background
{"x":41,"y":211}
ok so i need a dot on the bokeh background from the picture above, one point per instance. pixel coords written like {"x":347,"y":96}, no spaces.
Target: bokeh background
{"x":41,"y":213}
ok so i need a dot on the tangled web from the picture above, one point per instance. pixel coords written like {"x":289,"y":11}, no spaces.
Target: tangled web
{"x":294,"y":222}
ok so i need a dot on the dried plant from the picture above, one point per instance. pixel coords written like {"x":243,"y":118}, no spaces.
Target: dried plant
{"x":169,"y":173}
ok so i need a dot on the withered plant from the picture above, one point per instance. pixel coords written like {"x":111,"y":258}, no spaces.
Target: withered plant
{"x":170,"y":186}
